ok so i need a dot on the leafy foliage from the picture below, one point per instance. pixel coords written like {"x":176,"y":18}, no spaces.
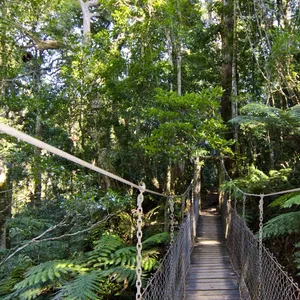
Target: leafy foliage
{"x":284,"y":224}
{"x":297,"y":257}
{"x":42,"y":277}
{"x":84,"y":287}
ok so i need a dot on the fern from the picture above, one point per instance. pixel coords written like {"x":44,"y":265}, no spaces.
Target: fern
{"x":292,"y":201}
{"x":103,"y":249}
{"x":7,"y":284}
{"x":281,"y":225}
{"x":124,"y":257}
{"x":121,"y":274}
{"x":150,"y":260}
{"x":157,"y":239}
{"x":15,"y":272}
{"x":43,"y":276}
{"x":297,"y":257}
{"x":286,"y":200}
{"x":84,"y":287}
{"x":48,"y":272}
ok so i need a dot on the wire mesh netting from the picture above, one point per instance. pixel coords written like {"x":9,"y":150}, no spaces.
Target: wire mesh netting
{"x":169,"y":280}
{"x":266,"y":280}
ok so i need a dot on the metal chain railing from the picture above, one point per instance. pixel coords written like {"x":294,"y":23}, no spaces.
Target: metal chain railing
{"x":139,"y":235}
{"x":168,"y":283}
{"x":171,"y":202}
{"x":263,"y":275}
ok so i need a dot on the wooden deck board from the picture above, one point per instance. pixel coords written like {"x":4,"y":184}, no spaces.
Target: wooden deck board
{"x":211,"y":275}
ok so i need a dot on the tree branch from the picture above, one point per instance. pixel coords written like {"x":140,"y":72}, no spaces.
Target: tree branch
{"x":32,"y":241}
{"x":62,"y":223}
{"x":90,"y":3}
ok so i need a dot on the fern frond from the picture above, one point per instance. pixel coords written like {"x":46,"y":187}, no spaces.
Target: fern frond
{"x":125,"y":257}
{"x":103,"y":249}
{"x":7,"y":284}
{"x":295,"y":112}
{"x":286,"y":200}
{"x":283,"y":224}
{"x":40,"y":278}
{"x":157,"y":239}
{"x":48,"y":272}
{"x":121,"y":274}
{"x":150,"y":261}
{"x":84,"y":287}
{"x":108,"y":243}
{"x":292,"y":201}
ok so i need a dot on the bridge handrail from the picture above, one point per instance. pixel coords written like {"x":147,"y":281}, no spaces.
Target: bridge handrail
{"x":168,"y":282}
{"x":274,"y":282}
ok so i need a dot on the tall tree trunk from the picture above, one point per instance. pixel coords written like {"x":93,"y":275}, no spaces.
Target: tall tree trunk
{"x":226,"y":70}
{"x":5,"y":178}
{"x":87,"y":16}
{"x":37,"y":192}
{"x":234,"y":86}
{"x":209,"y":11}
{"x":5,"y":206}
{"x":179,"y":46}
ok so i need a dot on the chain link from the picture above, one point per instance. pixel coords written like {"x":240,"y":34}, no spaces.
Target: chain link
{"x":139,"y":235}
{"x":171,"y":201}
{"x":260,"y":244}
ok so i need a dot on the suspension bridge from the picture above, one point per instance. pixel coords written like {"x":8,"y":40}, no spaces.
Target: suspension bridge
{"x":213,"y":255}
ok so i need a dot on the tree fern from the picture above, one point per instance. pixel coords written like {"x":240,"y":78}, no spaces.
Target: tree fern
{"x":121,"y":274}
{"x":295,"y":200}
{"x":85,"y":287}
{"x":7,"y":284}
{"x":150,"y":260}
{"x":125,"y":256}
{"x":43,"y":276}
{"x":103,"y":249}
{"x":157,"y":239}
{"x":287,"y":200}
{"x":287,"y":223}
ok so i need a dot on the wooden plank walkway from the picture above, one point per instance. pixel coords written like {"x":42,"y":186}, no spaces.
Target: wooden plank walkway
{"x":211,"y":275}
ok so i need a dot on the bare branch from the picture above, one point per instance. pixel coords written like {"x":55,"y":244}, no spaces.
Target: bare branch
{"x":39,"y":43}
{"x":5,"y":209}
{"x":62,"y":223}
{"x":32,"y":241}
{"x":90,"y":3}
{"x":77,"y":232}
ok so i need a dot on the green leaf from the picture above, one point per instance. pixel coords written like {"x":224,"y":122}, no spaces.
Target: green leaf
{"x":284,"y":224}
